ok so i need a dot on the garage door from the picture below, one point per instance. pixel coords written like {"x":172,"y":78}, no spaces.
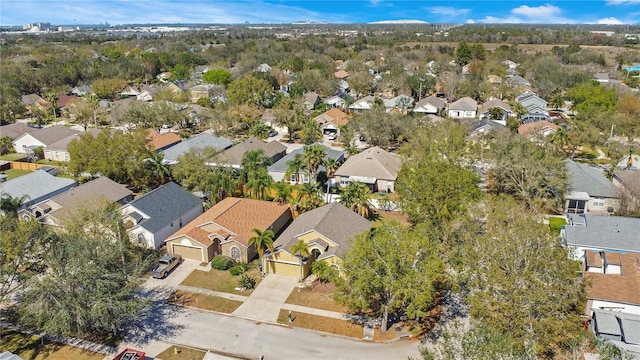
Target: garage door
{"x":284,"y":269}
{"x":188,"y":252}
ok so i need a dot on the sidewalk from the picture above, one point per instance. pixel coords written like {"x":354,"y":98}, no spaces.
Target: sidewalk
{"x":225,"y":295}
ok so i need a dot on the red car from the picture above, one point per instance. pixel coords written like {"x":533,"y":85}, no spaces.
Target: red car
{"x":130,"y":354}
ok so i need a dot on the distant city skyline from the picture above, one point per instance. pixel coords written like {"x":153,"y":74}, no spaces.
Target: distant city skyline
{"x":19,"y":12}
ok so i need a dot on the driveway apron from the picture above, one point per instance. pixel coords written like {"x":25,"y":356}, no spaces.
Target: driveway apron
{"x":266,"y":300}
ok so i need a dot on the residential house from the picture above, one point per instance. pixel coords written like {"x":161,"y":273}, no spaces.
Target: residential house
{"x":160,"y":142}
{"x":130,"y":91}
{"x":537,"y":131}
{"x":336,"y":102}
{"x":332,"y":120}
{"x":399,"y":104}
{"x":494,"y":79}
{"x":618,"y":327}
{"x":484,"y":126}
{"x":153,"y":217}
{"x":176,"y":87}
{"x":32,"y":101}
{"x":518,"y":81}
{"x":628,"y":182}
{"x":64,"y":101}
{"x":273,"y":151}
{"x":197,"y":142}
{"x":364,"y":104}
{"x":530,"y":118}
{"x":375,"y":167}
{"x":164,"y":76}
{"x":328,"y":230}
{"x":532,"y":102}
{"x":147,"y":93}
{"x":89,"y":196}
{"x":58,"y":150}
{"x":37,"y":186}
{"x":510,"y":64}
{"x":226,"y":229}
{"x":15,"y":130}
{"x":264,"y":68}
{"x":280,"y":168}
{"x":268,"y":118}
{"x":430,"y":105}
{"x":41,"y":138}
{"x":465,"y":108}
{"x":496,"y":103}
{"x":82,"y":90}
{"x":590,"y":191}
{"x":200,"y":92}
{"x":311,"y":100}
{"x":341,"y":75}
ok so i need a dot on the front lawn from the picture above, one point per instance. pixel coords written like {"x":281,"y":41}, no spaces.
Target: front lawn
{"x":14,"y":173}
{"x":182,"y":354}
{"x":206,"y":302}
{"x":321,"y":323}
{"x":319,"y":297}
{"x":29,"y":347}
{"x":222,"y":280}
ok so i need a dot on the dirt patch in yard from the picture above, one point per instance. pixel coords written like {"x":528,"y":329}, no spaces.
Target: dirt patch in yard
{"x":181,"y":354}
{"x":320,"y":323}
{"x":29,"y":347}
{"x":320,"y":296}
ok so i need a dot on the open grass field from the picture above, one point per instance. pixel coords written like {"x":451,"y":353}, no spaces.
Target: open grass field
{"x":206,"y":302}
{"x":223,"y":281}
{"x":182,"y":354}
{"x":29,"y":347}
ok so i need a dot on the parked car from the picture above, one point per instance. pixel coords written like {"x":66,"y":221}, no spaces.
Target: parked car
{"x":165,"y":265}
{"x":272,"y":133}
{"x":332,"y":136}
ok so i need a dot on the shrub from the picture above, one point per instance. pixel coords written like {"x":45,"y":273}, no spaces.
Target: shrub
{"x":221,"y":262}
{"x":247,"y":281}
{"x":239,"y":268}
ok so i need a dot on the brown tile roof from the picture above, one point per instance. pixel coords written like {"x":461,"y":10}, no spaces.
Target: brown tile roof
{"x":538,"y":126}
{"x":341,"y":74}
{"x":622,"y":288}
{"x":63,"y":100}
{"x":238,"y":215}
{"x":334,"y":116}
{"x":155,"y":140}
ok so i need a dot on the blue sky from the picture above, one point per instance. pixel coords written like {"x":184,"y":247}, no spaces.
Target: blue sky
{"x":17,"y":12}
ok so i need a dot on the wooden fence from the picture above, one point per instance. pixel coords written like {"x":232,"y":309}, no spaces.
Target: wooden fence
{"x":27,"y":166}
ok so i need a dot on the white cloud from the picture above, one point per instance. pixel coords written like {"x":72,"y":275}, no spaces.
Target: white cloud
{"x":538,"y":12}
{"x":609,"y":21}
{"x":622,"y":2}
{"x":500,"y":20}
{"x":447,"y":10}
{"x":470,"y":21}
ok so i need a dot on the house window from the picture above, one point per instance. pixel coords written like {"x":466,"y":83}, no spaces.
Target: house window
{"x":235,"y":253}
{"x":598,"y":202}
{"x":180,"y":225}
{"x":344,"y":181}
{"x":293,"y":178}
{"x":142,"y":239}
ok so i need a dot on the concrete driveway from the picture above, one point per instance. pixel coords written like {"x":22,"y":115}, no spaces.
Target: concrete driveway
{"x":266,"y":300}
{"x":159,"y":289}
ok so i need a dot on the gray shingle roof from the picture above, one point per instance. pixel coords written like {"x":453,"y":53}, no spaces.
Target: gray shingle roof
{"x":52,"y":134}
{"x":16,"y":130}
{"x":281,"y":165}
{"x":335,"y":221}
{"x":613,"y":233}
{"x":607,"y":322}
{"x":464,"y":104}
{"x":584,"y":178}
{"x":233,"y":156}
{"x":164,"y":205}
{"x":199,"y":141}
{"x":435,"y":101}
{"x":38,"y":185}
{"x":373,"y":163}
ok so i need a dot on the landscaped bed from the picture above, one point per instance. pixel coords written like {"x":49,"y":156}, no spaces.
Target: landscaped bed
{"x":206,"y":302}
{"x":29,"y":347}
{"x":222,"y":280}
{"x":182,"y":354}
{"x":320,"y":296}
{"x":320,"y":323}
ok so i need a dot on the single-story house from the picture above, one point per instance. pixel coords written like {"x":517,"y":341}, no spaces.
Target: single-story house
{"x":226,"y":229}
{"x":33,"y":100}
{"x":430,"y":105}
{"x":532,"y":102}
{"x":264,"y":68}
{"x":58,"y":150}
{"x":82,"y":90}
{"x":328,"y":230}
{"x":496,"y":103}
{"x":37,"y":186}
{"x":628,"y":181}
{"x":332,"y":120}
{"x":153,"y":217}
{"x":44,"y":137}
{"x":160,"y":142}
{"x":484,"y":126}
{"x":465,"y":108}
{"x":273,"y":151}
{"x":15,"y":130}
{"x":279,"y":169}
{"x":589,"y":190}
{"x":375,"y":167}
{"x":518,"y":81}
{"x":364,"y":104}
{"x":536,"y":131}
{"x":399,"y":104}
{"x":531,"y":118}
{"x":311,"y":100}
{"x":620,"y":328}
{"x":197,"y":142}
{"x":86,"y":197}
{"x":336,"y":102}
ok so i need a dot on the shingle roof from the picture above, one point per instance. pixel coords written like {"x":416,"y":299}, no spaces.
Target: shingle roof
{"x":372,"y":163}
{"x":630,"y":181}
{"x":238,"y":215}
{"x":164,"y":205}
{"x":484,"y":126}
{"x":621,"y":288}
{"x":433,"y":100}
{"x":233,"y":156}
{"x":496,"y":103}
{"x":16,"y":130}
{"x":334,"y":116}
{"x":591,"y":180}
{"x":365,"y":103}
{"x":464,"y":104}
{"x":156,"y":140}
{"x":52,"y":134}
{"x":281,"y":165}
{"x":199,"y":141}
{"x":334,"y":221}
{"x":398,"y":101}
{"x":341,"y":74}
{"x":538,"y":126}
{"x":62,"y":144}
{"x":613,"y":233}
{"x":35,"y":185}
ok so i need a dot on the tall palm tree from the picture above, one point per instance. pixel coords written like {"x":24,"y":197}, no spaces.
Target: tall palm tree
{"x":301,"y":248}
{"x":311,"y":131}
{"x":519,"y":109}
{"x":309,"y":197}
{"x":9,"y":205}
{"x":356,"y":196}
{"x":283,"y":192}
{"x":259,"y":130}
{"x":331,"y":165}
{"x":252,"y":161}
{"x":556,"y":101}
{"x":313,"y":156}
{"x":295,"y":166}
{"x":496,"y":113}
{"x":160,"y":170}
{"x":94,"y":103}
{"x":263,"y":240}
{"x":258,"y":181}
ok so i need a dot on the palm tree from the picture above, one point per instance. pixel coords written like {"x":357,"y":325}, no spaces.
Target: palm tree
{"x":222,"y":183}
{"x":259,"y":130}
{"x":252,"y":161}
{"x":9,"y":205}
{"x":311,"y":132}
{"x":356,"y":197}
{"x":283,"y":192}
{"x":52,"y":97}
{"x":519,"y":109}
{"x":560,"y":139}
{"x":258,"y":181}
{"x":302,"y":248}
{"x":496,"y":113}
{"x":94,"y":103}
{"x":263,"y":240}
{"x":313,"y":157}
{"x":309,"y":197}
{"x":160,"y":170}
{"x":289,"y":114}
{"x":556,"y":101}
{"x":331,"y":165}
{"x":295,"y":165}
